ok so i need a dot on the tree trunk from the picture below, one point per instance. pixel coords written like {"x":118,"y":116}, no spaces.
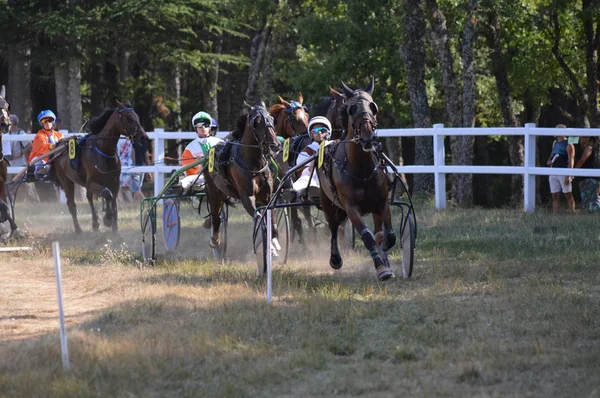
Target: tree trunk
{"x":123,"y":60}
{"x":414,"y":59}
{"x":592,"y":44}
{"x":461,"y":147}
{"x":68,"y":94}
{"x":211,"y":77}
{"x":19,"y":85}
{"x":97,"y":84}
{"x":257,"y":56}
{"x":506,"y":107}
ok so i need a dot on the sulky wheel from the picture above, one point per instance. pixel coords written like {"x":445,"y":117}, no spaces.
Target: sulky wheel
{"x":149,"y":237}
{"x":171,"y":224}
{"x":408,"y":247}
{"x":282,"y":220}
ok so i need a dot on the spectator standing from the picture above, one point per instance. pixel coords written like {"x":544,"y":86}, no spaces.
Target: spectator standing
{"x":562,"y":156}
{"x":19,"y":150}
{"x":589,"y":187}
{"x":125,"y":152}
{"x":141,"y":157}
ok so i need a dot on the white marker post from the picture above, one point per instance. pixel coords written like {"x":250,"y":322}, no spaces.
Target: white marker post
{"x":268,"y":248}
{"x":64,"y":348}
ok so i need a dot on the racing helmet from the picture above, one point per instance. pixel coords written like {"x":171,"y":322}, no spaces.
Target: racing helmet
{"x":200,"y":116}
{"x":47,"y":114}
{"x":320,"y":120}
{"x":214,"y":126}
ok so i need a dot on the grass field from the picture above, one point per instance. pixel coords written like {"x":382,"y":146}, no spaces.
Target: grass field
{"x":502,"y":303}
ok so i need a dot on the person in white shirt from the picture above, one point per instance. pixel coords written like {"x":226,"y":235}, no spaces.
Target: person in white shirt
{"x":319,"y":129}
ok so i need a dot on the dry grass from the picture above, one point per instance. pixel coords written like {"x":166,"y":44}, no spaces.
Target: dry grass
{"x":501,"y":304}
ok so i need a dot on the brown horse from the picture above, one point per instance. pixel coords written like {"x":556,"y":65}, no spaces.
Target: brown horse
{"x":291,"y":121}
{"x":353,"y":183}
{"x":100,"y":168}
{"x":4,"y":127}
{"x":246,"y":174}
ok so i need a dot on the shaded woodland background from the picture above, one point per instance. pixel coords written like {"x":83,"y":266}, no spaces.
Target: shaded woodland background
{"x":483,"y":63}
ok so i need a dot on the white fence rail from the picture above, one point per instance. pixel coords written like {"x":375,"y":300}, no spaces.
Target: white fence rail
{"x":439,"y":169}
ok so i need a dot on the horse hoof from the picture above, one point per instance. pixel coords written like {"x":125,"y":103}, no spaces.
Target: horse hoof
{"x":18,"y":234}
{"x":213,"y":243}
{"x":385,"y":273}
{"x":108,"y":221}
{"x":335,"y":261}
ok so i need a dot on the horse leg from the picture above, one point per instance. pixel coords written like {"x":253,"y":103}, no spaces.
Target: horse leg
{"x":297,"y":224}
{"x":215,"y":216}
{"x":387,"y":238}
{"x":309,"y":220}
{"x":384,"y":272}
{"x":334,"y":216}
{"x":15,"y":232}
{"x":90,"y":197}
{"x":5,"y":214}
{"x":216,"y":199}
{"x":69,"y":187}
{"x":115,"y":209}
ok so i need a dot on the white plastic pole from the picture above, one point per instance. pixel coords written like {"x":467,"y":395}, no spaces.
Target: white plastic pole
{"x":268,"y":248}
{"x":64,"y":348}
{"x":439,"y":155}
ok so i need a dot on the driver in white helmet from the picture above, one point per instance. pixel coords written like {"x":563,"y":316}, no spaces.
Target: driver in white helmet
{"x":198,"y":149}
{"x":319,"y":129}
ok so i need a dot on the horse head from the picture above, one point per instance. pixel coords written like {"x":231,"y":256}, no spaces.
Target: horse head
{"x":130,"y":122}
{"x":359,"y":114}
{"x":334,"y":113}
{"x":4,"y":112}
{"x":260,"y":124}
{"x":296,"y":116}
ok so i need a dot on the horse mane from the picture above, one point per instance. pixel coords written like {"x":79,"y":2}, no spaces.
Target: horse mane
{"x":321,"y":108}
{"x":97,"y":123}
{"x":276,"y":109}
{"x":238,"y":132}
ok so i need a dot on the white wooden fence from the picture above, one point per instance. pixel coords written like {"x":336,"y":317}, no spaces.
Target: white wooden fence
{"x":439,"y":169}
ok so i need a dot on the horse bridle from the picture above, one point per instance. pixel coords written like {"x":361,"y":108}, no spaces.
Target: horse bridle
{"x":294,"y":106}
{"x":256,"y":112}
{"x":133,"y":136}
{"x":358,"y":122}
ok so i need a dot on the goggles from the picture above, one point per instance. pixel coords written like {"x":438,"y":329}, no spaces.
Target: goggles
{"x":47,"y":120}
{"x":203,"y":123}
{"x":320,"y":130}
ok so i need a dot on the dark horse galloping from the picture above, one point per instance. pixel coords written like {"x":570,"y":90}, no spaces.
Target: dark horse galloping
{"x":246,"y":175}
{"x":353,"y":183}
{"x":4,"y":127}
{"x":100,"y":168}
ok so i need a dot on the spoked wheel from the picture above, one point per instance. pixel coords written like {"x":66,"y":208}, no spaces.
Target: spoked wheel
{"x":171,"y":223}
{"x":282,"y":220}
{"x":408,"y":247}
{"x":221,"y":251}
{"x":261,"y":248}
{"x":149,"y":237}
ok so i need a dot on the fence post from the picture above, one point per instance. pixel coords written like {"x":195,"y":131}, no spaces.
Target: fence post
{"x":439,"y":178}
{"x":159,"y":157}
{"x":529,"y":161}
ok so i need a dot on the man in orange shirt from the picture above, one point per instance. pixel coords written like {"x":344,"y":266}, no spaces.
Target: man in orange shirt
{"x":45,"y":140}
